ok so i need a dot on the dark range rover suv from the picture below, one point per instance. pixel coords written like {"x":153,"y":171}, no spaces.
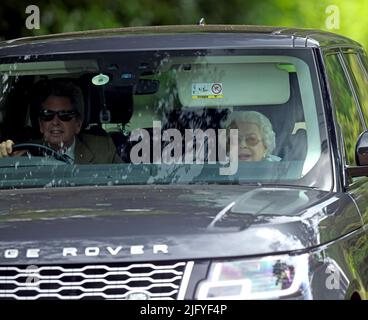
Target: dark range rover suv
{"x":243,"y":169}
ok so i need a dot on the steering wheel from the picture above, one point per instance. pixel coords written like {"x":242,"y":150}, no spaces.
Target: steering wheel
{"x":37,"y":149}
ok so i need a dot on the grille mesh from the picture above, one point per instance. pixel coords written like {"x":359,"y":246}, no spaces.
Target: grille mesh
{"x":129,"y":281}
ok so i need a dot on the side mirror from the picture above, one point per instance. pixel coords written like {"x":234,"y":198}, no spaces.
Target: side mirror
{"x":361,"y":150}
{"x":361,"y":157}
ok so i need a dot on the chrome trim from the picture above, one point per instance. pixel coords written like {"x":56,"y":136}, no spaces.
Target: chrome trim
{"x":185,"y":280}
{"x":103,"y":281}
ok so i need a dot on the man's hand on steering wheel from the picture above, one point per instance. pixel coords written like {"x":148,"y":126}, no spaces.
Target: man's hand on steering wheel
{"x":8,"y":148}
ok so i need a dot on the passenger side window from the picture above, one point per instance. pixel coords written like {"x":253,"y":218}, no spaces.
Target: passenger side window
{"x":345,"y":105}
{"x":361,"y":82}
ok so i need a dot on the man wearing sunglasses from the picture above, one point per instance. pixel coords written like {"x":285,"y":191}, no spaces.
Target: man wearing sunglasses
{"x":60,"y":119}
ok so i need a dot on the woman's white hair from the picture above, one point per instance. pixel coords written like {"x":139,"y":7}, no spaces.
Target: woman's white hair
{"x":264,"y":124}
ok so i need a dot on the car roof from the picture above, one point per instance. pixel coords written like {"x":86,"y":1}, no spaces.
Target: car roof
{"x":174,"y":37}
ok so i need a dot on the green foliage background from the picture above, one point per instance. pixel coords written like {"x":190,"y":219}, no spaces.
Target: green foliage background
{"x":75,"y":15}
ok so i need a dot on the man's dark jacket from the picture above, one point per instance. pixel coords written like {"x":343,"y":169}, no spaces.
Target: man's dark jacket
{"x":92,"y":149}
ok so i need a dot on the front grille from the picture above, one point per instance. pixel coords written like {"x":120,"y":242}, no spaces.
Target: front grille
{"x":113,"y":281}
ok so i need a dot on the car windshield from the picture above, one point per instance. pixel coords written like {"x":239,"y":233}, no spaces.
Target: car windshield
{"x":174,"y":117}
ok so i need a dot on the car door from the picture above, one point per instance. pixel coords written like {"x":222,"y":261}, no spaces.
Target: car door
{"x":355,"y":70}
{"x":349,"y":119}
{"x":348,"y":95}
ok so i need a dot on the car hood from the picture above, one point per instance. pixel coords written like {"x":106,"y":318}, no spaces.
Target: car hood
{"x":144,"y":223}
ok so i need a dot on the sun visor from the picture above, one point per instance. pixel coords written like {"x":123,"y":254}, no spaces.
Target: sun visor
{"x":235,"y":84}
{"x":49,"y":67}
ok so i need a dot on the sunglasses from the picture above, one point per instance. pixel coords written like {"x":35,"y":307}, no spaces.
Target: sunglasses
{"x":63,"y":115}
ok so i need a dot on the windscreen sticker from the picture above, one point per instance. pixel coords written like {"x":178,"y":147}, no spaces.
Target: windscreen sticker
{"x":212,"y":90}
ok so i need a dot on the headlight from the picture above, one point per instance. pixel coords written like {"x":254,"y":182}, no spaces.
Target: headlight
{"x":263,"y":278}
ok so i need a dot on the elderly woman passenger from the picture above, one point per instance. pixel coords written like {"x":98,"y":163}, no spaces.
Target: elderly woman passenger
{"x":256,"y":138}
